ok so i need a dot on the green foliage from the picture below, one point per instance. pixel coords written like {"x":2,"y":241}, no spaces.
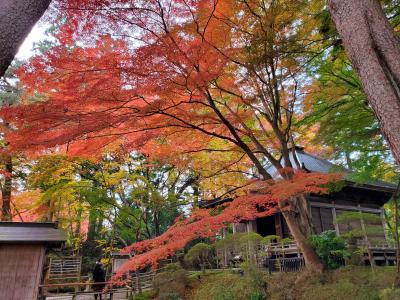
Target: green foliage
{"x":252,"y":237}
{"x":256,"y":276}
{"x":372,"y":224}
{"x":350,"y":282}
{"x":389,"y":212}
{"x":199,"y":254}
{"x":337,"y":105}
{"x":389,"y":294}
{"x":224,"y":286}
{"x":148,"y":295}
{"x":171,"y":283}
{"x":336,"y":186}
{"x":356,"y":215}
{"x":238,"y":240}
{"x":270,"y":239}
{"x":330,"y":248}
{"x":245,"y":243}
{"x":137,"y":199}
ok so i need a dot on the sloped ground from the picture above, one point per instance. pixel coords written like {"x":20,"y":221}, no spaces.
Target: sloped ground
{"x":347,"y":283}
{"x":228,"y":285}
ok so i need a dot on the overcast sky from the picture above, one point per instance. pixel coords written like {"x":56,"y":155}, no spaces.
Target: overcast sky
{"x":37,"y":34}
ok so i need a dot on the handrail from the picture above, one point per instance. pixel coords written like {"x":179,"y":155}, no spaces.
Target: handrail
{"x":75,"y":284}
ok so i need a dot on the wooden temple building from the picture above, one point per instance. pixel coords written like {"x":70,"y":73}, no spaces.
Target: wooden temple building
{"x":367,"y":197}
{"x":23,"y":248}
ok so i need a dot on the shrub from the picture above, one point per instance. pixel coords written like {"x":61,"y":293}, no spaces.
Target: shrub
{"x":199,"y":255}
{"x":143,"y":296}
{"x":350,"y":282}
{"x":245,"y":243}
{"x":171,"y":283}
{"x":331,"y":248}
{"x":230,"y":286}
{"x":389,"y":294}
{"x":255,"y":275}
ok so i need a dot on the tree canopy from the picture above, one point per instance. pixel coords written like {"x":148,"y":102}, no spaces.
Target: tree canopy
{"x":138,"y":110}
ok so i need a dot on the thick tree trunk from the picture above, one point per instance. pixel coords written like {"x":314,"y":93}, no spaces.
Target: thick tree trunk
{"x":7,"y":189}
{"x":91,"y":235}
{"x":374,"y":50}
{"x":17,"y":18}
{"x":395,"y":231}
{"x":297,"y":216}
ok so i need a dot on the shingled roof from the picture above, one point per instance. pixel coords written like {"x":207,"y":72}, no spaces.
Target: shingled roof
{"x":31,"y":233}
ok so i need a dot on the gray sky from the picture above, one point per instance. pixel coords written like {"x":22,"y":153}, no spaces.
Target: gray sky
{"x":36,"y":34}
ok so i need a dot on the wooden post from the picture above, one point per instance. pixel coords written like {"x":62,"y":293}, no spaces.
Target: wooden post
{"x":224,"y":250}
{"x":334,"y":220}
{"x":278,"y":225}
{"x":384,"y":224}
{"x":369,"y":250}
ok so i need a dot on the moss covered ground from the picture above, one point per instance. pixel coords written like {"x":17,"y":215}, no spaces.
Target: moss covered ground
{"x":347,"y":283}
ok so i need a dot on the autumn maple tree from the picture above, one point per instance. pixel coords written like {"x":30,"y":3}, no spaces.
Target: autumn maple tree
{"x":206,"y":223}
{"x":175,"y":80}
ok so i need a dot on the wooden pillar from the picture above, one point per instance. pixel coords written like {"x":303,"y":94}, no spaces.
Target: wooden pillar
{"x":371,"y":257}
{"x":384,"y":224}
{"x":278,"y":225}
{"x":334,"y":220}
{"x":224,"y":253}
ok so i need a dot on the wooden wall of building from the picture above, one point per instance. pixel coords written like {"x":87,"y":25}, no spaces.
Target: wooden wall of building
{"x":20,"y":271}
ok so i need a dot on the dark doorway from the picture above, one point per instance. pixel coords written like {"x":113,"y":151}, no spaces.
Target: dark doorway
{"x":266,"y":226}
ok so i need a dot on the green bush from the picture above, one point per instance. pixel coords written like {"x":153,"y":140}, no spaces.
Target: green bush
{"x":171,"y":283}
{"x":389,"y":294}
{"x":230,"y":286}
{"x":255,"y":275}
{"x":331,"y":248}
{"x":199,"y":255}
{"x":245,"y":243}
{"x":144,"y":296}
{"x":350,"y":282}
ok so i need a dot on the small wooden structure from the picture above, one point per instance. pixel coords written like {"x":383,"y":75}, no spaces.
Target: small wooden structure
{"x":118,"y":259}
{"x":22,"y":252}
{"x":62,"y":269}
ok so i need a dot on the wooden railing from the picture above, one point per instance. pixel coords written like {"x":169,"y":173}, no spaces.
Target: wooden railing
{"x":64,"y":269}
{"x":109,"y":293}
{"x":142,"y":281}
{"x":137,"y":283}
{"x":293,"y":264}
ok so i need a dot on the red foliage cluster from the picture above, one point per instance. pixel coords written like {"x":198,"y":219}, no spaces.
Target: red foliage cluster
{"x":205,"y":223}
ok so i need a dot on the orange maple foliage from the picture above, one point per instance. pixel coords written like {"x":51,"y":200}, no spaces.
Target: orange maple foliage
{"x":173,"y":79}
{"x":24,"y":207}
{"x":206,"y":223}
{"x":187,"y":81}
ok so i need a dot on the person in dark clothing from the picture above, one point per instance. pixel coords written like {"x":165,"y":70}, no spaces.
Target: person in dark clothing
{"x":99,"y":278}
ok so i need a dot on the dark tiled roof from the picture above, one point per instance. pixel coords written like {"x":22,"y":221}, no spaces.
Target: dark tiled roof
{"x":310,"y":163}
{"x":31,"y":233}
{"x":314,"y":163}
